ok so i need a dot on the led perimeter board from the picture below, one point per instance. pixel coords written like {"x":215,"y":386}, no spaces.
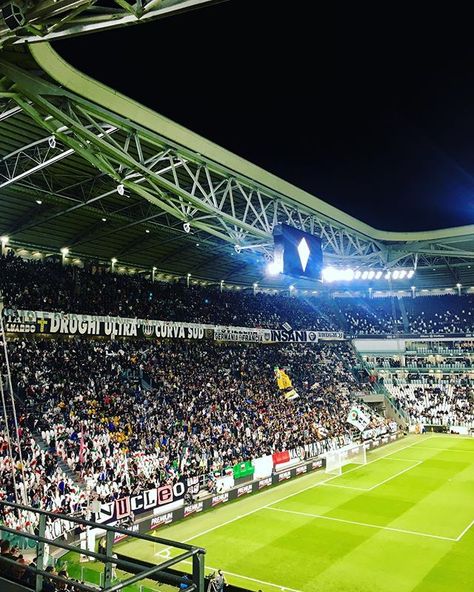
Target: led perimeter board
{"x":297,"y":253}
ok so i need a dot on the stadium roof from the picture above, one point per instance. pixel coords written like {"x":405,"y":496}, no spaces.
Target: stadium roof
{"x":86,"y":168}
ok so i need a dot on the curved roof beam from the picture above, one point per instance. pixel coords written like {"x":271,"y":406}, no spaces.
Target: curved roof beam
{"x":79,"y":83}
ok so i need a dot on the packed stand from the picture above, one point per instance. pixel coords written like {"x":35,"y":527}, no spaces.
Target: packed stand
{"x":370,"y":316}
{"x":50,"y":286}
{"x":210,"y":406}
{"x":441,"y":314}
{"x":447,"y":404}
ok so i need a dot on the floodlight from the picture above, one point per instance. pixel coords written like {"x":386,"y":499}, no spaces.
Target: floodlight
{"x":330,"y":274}
{"x":187,"y":227}
{"x":371,"y":274}
{"x":347,"y":274}
{"x":357,"y":274}
{"x":378,"y":275}
{"x":364,"y":275}
{"x":65,"y":251}
{"x":121,"y":189}
{"x":4,"y":239}
{"x":273,"y":268}
{"x":402,"y":273}
{"x":395,"y":274}
{"x":411,"y":273}
{"x":52,"y":142}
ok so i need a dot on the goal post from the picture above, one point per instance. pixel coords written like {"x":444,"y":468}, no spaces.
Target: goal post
{"x":350,"y":454}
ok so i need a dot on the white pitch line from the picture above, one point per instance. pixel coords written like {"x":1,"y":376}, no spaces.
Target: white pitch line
{"x":281,"y":499}
{"x":418,"y":463}
{"x":464,"y":531}
{"x":392,"y":529}
{"x":229,"y":573}
{"x":344,"y":487}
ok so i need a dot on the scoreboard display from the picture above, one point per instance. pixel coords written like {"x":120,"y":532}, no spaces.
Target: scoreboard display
{"x":297,"y":253}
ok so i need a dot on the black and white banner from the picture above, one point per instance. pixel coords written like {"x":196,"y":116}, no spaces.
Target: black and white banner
{"x":55,"y":323}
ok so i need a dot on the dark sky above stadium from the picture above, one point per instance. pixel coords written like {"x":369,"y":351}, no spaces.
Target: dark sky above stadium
{"x":372,"y":112}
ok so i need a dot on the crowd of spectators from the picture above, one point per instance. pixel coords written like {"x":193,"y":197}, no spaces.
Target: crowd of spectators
{"x":441,"y":314}
{"x":209,"y":406}
{"x":450,"y":404}
{"x":51,"y":286}
{"x":369,"y":316}
{"x":460,"y":363}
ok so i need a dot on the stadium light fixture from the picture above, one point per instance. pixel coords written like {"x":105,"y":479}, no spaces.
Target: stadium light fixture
{"x":147,"y":231}
{"x":388,"y":275}
{"x":365,"y":275}
{"x":410,"y":273}
{"x":273,"y":268}
{"x":65,"y":251}
{"x":395,"y":274}
{"x":357,"y":274}
{"x":237,"y":248}
{"x":330,"y":274}
{"x":104,"y":219}
{"x":4,"y":239}
{"x":402,"y":273}
{"x":121,"y":189}
{"x":187,"y":227}
{"x":371,"y":274}
{"x":52,"y":142}
{"x":378,"y":275}
{"x":39,"y":201}
{"x":348,"y":274}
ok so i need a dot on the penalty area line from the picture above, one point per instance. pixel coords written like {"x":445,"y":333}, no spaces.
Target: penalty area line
{"x":465,"y":531}
{"x":366,"y":489}
{"x":364,"y":524}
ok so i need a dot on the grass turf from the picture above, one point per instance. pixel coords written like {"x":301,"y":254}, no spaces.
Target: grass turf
{"x":400,"y":523}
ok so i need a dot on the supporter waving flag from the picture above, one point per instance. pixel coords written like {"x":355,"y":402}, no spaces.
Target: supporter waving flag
{"x":358,"y":418}
{"x":284,"y":383}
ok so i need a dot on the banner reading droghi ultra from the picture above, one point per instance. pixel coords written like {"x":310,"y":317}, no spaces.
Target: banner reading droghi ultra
{"x":50,"y":323}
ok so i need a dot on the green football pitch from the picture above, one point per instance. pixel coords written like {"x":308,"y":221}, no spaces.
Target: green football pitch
{"x":400,"y":523}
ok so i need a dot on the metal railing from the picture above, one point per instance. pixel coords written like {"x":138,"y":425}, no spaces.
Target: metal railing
{"x":130,"y":565}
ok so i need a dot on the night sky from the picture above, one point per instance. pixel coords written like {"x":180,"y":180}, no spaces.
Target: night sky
{"x":372,"y":112}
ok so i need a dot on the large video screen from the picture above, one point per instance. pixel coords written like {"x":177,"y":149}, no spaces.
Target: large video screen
{"x":298,"y":253}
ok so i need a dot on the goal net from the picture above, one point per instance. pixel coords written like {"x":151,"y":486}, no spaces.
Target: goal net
{"x":350,"y":454}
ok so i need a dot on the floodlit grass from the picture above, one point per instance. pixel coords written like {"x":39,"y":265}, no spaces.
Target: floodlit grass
{"x":400,"y":523}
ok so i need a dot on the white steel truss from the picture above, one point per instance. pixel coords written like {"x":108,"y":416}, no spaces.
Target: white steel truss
{"x":181,"y":187}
